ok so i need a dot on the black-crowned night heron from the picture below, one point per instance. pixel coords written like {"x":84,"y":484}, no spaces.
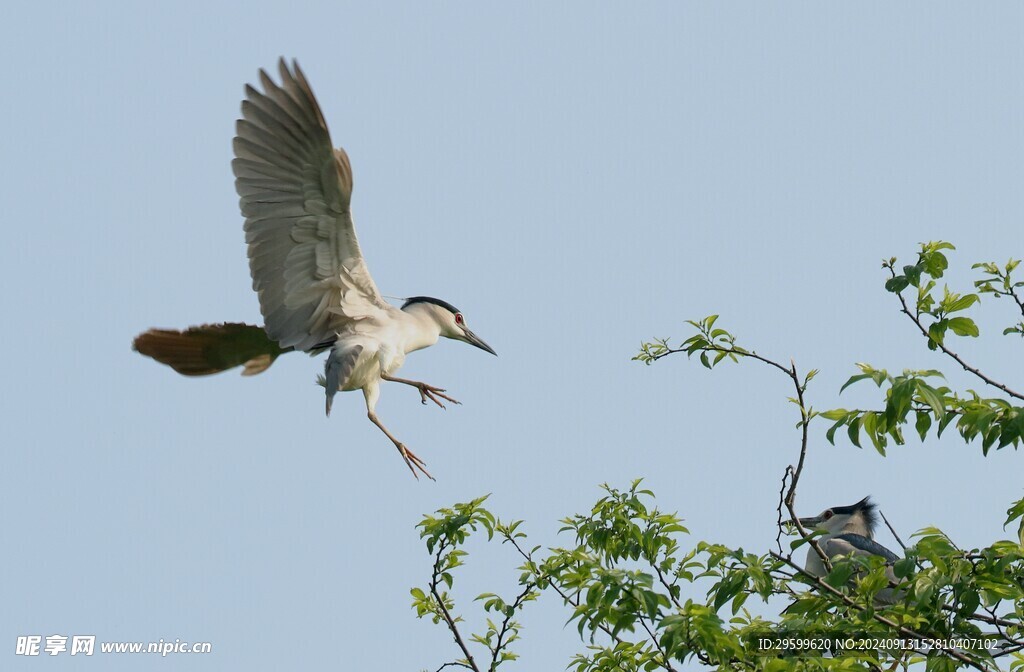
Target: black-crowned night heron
{"x":849,"y":530}
{"x":315,"y":291}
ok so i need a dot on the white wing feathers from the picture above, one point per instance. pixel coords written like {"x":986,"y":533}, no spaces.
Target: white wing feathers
{"x":295,"y":191}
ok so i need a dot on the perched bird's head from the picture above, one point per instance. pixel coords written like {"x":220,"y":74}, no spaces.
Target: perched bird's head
{"x":448,"y":318}
{"x":859,"y":518}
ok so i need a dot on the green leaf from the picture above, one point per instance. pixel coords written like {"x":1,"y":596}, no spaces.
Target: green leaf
{"x":830,"y":435}
{"x":935,"y":264}
{"x":870,"y":423}
{"x":963,"y":326}
{"x":962,"y":303}
{"x":937,"y":332}
{"x":903,"y":568}
{"x":932,"y":398}
{"x":945,"y":421}
{"x":969,"y":602}
{"x":852,"y":380}
{"x":840,"y":574}
{"x":1014,"y":512}
{"x":913,"y":274}
{"x":896,"y":284}
{"x":854,"y":432}
{"x":924,"y":423}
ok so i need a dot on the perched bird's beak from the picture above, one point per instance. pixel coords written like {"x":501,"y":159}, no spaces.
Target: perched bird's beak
{"x":810,"y":523}
{"x":471,"y":338}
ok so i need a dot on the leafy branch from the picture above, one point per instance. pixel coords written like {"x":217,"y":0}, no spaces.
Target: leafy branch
{"x":910,"y":396}
{"x":722,"y":344}
{"x":999,"y":282}
{"x":627,"y":573}
{"x":445,"y":533}
{"x":931,"y":265}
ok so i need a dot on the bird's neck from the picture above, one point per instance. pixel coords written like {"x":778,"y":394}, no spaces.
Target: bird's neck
{"x":854,"y":526}
{"x":421,"y":330}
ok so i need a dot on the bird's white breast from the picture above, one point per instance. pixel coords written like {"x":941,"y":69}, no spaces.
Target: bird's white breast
{"x":386,"y":338}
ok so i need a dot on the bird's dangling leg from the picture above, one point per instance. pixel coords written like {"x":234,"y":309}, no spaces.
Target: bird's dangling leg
{"x":410,"y":458}
{"x":426,"y":391}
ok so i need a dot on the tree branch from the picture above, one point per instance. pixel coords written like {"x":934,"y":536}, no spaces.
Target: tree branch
{"x":782,"y":499}
{"x":561,"y":593}
{"x":895,"y":536}
{"x":601,"y":626}
{"x":903,"y":630}
{"x":991,"y":620}
{"x":942,"y":346}
{"x":654,"y":640}
{"x":791,"y":373}
{"x":499,"y":643}
{"x":455,"y":664}
{"x":444,"y":610}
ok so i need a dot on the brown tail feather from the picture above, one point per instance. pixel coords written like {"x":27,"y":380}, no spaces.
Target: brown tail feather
{"x":210,"y":348}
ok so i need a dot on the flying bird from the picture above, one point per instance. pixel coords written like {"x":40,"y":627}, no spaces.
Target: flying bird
{"x":315,"y":290}
{"x":849,"y":530}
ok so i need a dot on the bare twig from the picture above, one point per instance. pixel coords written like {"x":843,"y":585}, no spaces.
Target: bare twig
{"x":1016,"y":299}
{"x":791,"y":493}
{"x":782,"y":496}
{"x":1012,"y":293}
{"x":891,"y":529}
{"x":454,"y":664}
{"x":1008,"y":650}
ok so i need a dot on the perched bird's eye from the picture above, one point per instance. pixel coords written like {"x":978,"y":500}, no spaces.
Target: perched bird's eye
{"x":458,"y":318}
{"x":828,"y":514}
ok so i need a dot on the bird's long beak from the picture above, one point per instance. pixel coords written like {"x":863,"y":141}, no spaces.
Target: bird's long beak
{"x":810,"y":523}
{"x":473,"y":339}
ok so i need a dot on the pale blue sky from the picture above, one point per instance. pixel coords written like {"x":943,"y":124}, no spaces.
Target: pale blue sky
{"x":576,"y":178}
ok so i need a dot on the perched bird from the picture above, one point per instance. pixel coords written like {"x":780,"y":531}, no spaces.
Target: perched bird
{"x":849,"y":530}
{"x":315,"y":290}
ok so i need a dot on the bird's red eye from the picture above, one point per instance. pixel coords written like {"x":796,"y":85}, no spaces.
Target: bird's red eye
{"x":458,"y":318}
{"x":828,"y":514}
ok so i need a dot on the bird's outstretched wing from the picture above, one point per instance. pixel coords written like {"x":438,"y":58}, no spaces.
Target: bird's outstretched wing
{"x":210,"y":348}
{"x":295,"y":191}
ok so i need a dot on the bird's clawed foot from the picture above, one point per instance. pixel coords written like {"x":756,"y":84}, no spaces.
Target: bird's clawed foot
{"x":413,"y":462}
{"x":432,"y":393}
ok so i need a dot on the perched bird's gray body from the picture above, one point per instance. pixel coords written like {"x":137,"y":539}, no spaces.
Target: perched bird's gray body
{"x":315,"y":290}
{"x":849,"y":530}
